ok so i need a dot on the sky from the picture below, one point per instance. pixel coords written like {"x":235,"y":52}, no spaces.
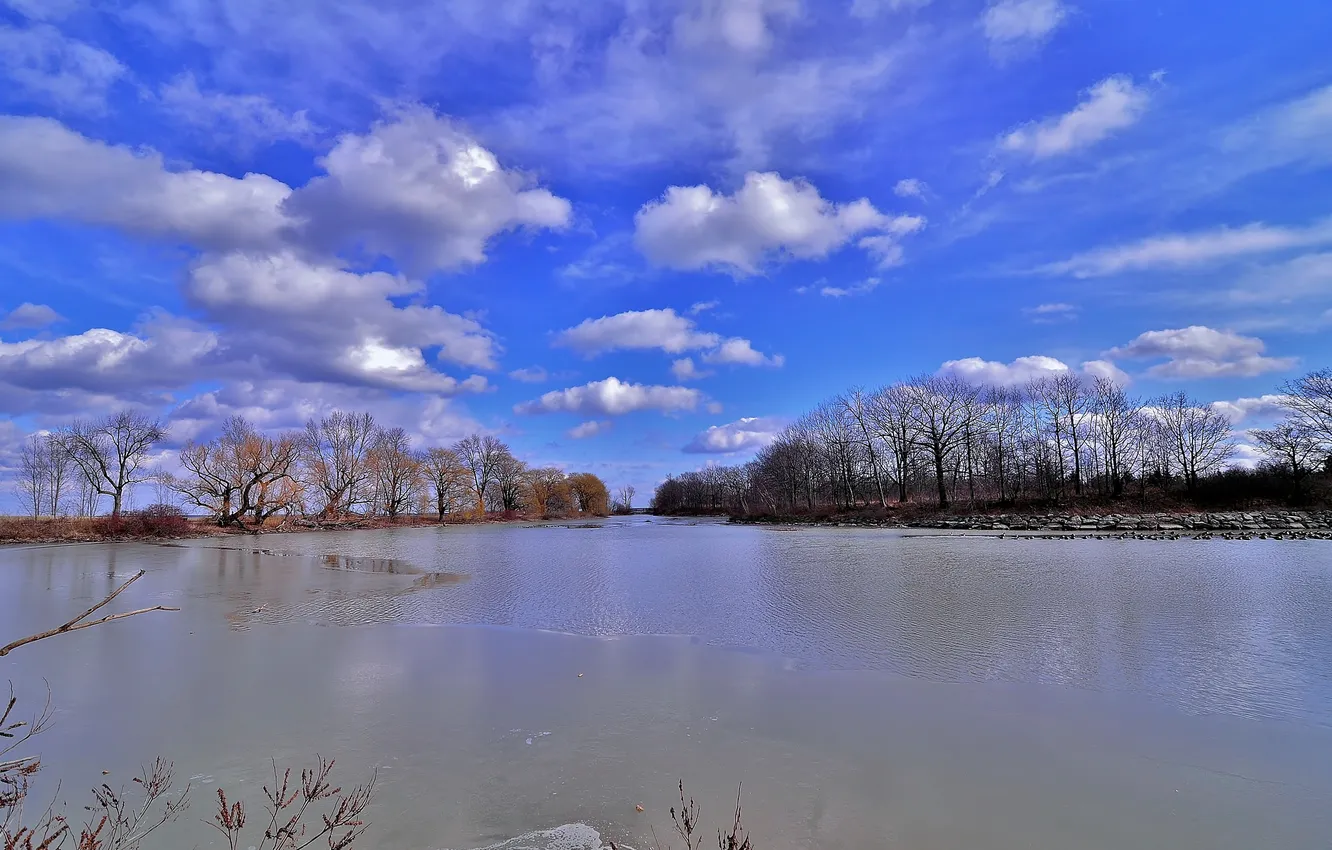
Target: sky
{"x":638,"y":237}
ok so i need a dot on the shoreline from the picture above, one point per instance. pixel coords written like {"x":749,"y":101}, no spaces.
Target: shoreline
{"x":85,"y":530}
{"x":1229,"y":525}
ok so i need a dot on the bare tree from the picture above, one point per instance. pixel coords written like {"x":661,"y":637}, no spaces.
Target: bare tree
{"x":1291,"y":445}
{"x":858,"y":407}
{"x":399,"y":474}
{"x":941,"y":409}
{"x":626,"y":497}
{"x":335,"y":459}
{"x":449,"y":480}
{"x":1113,"y":419}
{"x":1197,"y":436}
{"x":111,"y":451}
{"x":242,"y":474}
{"x":479,"y":456}
{"x":1310,"y":401}
{"x":892,"y":412}
{"x":510,"y":480}
{"x":34,"y":475}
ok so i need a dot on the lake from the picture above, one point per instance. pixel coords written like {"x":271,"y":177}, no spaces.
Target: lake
{"x":869,"y":688}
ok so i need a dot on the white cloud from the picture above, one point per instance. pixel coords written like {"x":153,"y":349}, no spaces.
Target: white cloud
{"x":238,"y":118}
{"x":1050,"y":313}
{"x":42,"y":64}
{"x":977,"y":370}
{"x":48,"y":171}
{"x":1192,"y":249}
{"x":910,"y":187}
{"x":684,"y":369}
{"x":767,"y":219}
{"x":530,"y":375}
{"x":665,"y":330}
{"x":590,"y":428}
{"x":276,"y":308}
{"x":1012,"y":24}
{"x":419,"y":189}
{"x":613,"y":397}
{"x":29,"y":315}
{"x":637,"y":329}
{"x":1202,"y":352}
{"x":740,"y":352}
{"x":1265,"y":407}
{"x":162,"y":352}
{"x":865,"y":287}
{"x":1113,"y":104}
{"x":703,"y":307}
{"x":743,"y":435}
{"x":993,"y":373}
{"x":1106,"y":369}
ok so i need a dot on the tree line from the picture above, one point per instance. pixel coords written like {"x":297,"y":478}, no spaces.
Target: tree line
{"x":341,"y":465}
{"x":939,"y":439}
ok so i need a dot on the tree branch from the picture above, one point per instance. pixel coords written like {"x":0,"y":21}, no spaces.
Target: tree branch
{"x":74,"y":624}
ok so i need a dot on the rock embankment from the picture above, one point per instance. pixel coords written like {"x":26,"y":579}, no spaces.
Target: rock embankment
{"x":1245,"y":524}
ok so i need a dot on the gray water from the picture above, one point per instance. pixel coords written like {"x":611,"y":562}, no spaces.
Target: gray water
{"x":870,"y":689}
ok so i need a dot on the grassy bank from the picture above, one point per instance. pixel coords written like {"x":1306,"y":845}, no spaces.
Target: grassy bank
{"x":148,"y":525}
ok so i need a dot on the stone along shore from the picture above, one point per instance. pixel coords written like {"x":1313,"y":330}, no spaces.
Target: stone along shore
{"x":1229,"y":524}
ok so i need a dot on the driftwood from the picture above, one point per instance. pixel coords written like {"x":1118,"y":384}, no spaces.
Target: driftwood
{"x":75,"y":624}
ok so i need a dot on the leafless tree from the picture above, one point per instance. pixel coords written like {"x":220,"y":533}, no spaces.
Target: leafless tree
{"x":449,"y":480}
{"x":111,"y":451}
{"x":479,"y":456}
{"x":241,"y":474}
{"x":1291,"y":445}
{"x":399,"y":474}
{"x":941,"y":410}
{"x":335,"y":454}
{"x":1310,"y":401}
{"x":1114,"y":415}
{"x":34,"y":475}
{"x":892,"y":412}
{"x":626,"y":497}
{"x":1198,"y":436}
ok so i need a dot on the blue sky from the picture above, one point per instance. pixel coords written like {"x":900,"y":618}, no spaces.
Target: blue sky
{"x":636,"y":237}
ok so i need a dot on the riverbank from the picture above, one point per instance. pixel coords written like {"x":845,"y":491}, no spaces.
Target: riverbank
{"x":136,"y":527}
{"x":1281,"y":524}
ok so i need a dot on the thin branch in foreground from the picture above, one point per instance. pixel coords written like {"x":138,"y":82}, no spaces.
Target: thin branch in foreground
{"x":75,"y":624}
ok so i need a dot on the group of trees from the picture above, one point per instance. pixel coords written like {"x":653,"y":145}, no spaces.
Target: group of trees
{"x":940,"y":439}
{"x":339,"y":465}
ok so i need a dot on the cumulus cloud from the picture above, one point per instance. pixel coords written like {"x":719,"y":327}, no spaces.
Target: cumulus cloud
{"x":49,"y":171}
{"x":743,"y":435}
{"x":29,"y":315}
{"x":740,"y":352}
{"x":1265,"y":407}
{"x":1050,"y":313}
{"x":161,"y":352}
{"x":768,"y":219}
{"x":1012,"y":24}
{"x":276,"y":307}
{"x":667,"y":331}
{"x":530,"y":375}
{"x":590,"y":428}
{"x":246,"y":119}
{"x":40,"y":63}
{"x":1108,"y":370}
{"x":414,"y":188}
{"x":1111,"y":105}
{"x":419,"y":189}
{"x":994,"y":373}
{"x":1184,"y":250}
{"x":1202,"y":352}
{"x":613,"y":397}
{"x":685,"y":369}
{"x":637,"y":329}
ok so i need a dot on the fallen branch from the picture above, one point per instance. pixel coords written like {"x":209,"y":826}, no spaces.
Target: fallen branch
{"x":75,"y":624}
